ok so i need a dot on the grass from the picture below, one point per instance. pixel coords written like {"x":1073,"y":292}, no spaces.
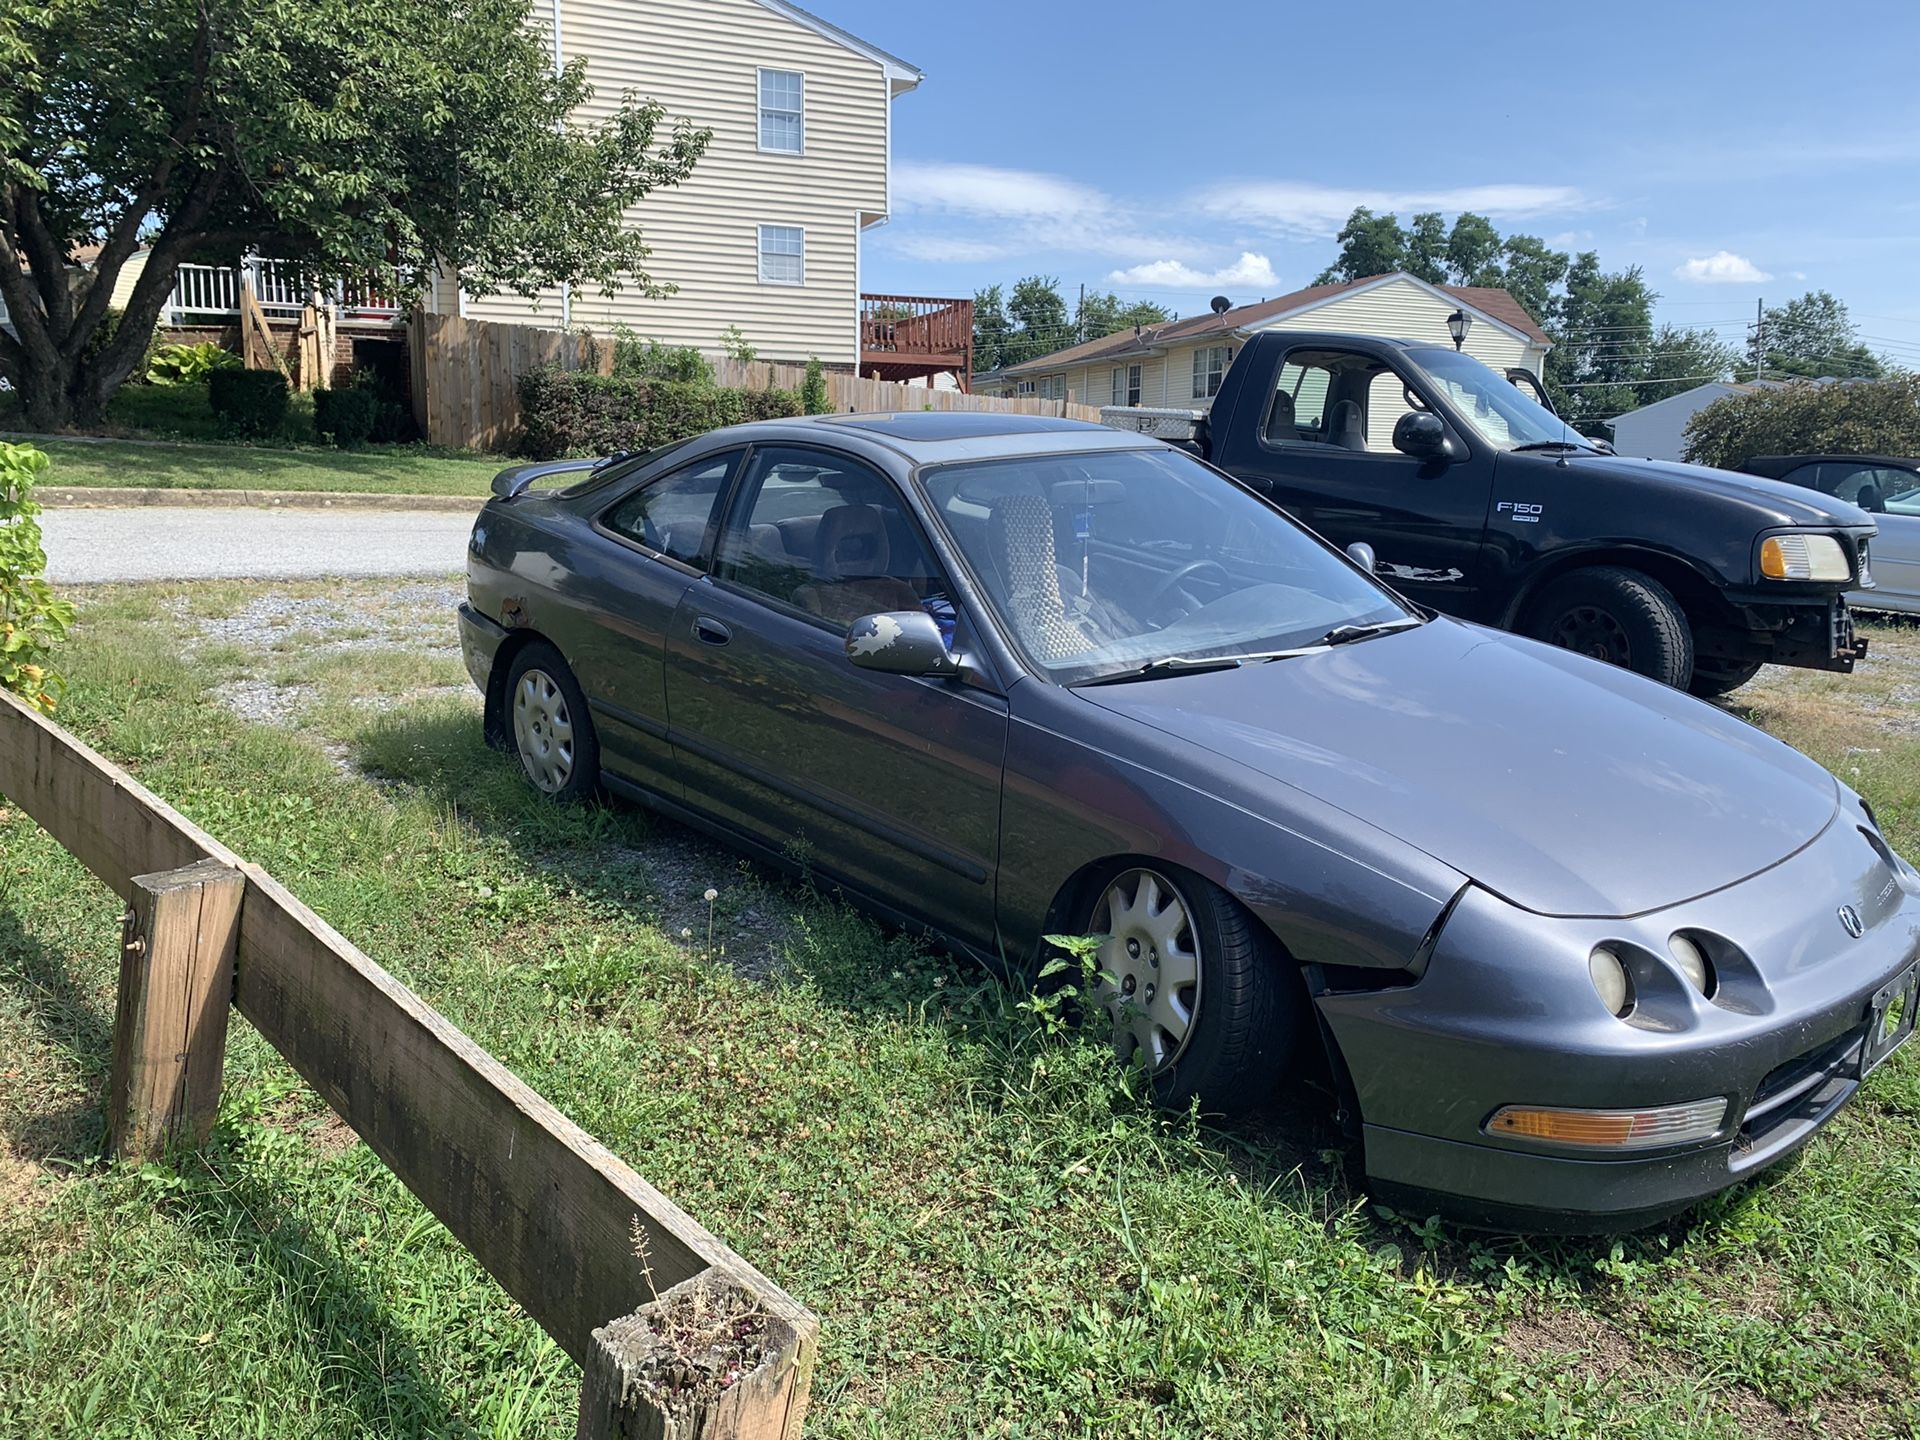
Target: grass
{"x":999,"y":1239}
{"x":204,"y":461}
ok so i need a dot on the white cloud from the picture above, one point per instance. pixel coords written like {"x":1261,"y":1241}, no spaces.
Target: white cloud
{"x":1723,"y":267}
{"x":990,"y":191}
{"x":1301,"y":207}
{"x":950,"y":249}
{"x":1250,"y":270}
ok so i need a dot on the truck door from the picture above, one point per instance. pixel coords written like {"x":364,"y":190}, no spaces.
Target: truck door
{"x":1324,"y":450}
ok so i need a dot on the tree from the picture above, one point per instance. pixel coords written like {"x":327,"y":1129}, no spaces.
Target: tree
{"x":1097,"y":315}
{"x":1039,"y":313}
{"x":1679,"y":359}
{"x":1812,"y":336}
{"x":1473,"y":250}
{"x":368,"y":140}
{"x":991,"y":329}
{"x":1370,"y":244}
{"x":1866,"y":417}
{"x":1427,"y":248}
{"x":1605,"y":322}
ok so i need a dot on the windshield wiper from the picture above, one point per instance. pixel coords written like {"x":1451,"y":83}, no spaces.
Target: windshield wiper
{"x":1174,"y":665}
{"x":1552,"y":445}
{"x":1347,"y":634}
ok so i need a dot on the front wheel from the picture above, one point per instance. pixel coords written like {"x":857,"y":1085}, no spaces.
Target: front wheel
{"x":1620,"y":616}
{"x":552,"y":731}
{"x":1198,"y":992}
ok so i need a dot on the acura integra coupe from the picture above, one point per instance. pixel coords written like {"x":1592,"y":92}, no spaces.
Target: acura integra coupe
{"x":1577,"y":948}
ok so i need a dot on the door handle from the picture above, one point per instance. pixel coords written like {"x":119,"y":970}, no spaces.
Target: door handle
{"x":712,"y":632}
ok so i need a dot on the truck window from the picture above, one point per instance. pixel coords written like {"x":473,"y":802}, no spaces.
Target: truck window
{"x":1330,"y":397}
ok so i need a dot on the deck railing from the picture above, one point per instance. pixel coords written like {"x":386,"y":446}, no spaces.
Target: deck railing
{"x":918,"y":325}
{"x":210,"y":291}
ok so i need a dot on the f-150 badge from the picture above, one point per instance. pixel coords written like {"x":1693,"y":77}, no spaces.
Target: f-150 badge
{"x":1520,"y":511}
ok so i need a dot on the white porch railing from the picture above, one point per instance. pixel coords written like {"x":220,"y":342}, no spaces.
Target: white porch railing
{"x":209,"y":291}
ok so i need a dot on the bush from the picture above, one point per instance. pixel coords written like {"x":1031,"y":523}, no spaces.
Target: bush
{"x":637,"y":359}
{"x":813,"y":389}
{"x":1853,"y":417}
{"x":346,"y":418}
{"x":32,"y":621}
{"x":188,"y":364}
{"x":249,"y":403}
{"x":575,"y":412}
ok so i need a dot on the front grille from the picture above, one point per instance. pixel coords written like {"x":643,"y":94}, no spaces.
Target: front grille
{"x":1795,"y":1098}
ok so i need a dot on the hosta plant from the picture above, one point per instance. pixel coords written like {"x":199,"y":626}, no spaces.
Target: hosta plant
{"x":32,"y":619}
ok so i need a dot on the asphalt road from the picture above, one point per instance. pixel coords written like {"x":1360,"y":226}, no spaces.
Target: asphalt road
{"x":194,"y":543}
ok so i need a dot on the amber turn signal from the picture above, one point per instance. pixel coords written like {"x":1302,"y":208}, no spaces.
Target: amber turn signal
{"x":1612,"y":1129}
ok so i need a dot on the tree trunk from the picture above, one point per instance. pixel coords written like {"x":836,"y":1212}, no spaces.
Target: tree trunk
{"x":45,"y":396}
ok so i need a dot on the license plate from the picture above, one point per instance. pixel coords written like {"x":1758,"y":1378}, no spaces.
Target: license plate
{"x":1890,"y":1018}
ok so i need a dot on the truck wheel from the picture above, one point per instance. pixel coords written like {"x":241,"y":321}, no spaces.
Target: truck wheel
{"x":1620,"y":616}
{"x":1713,"y":678}
{"x":1199,"y":992}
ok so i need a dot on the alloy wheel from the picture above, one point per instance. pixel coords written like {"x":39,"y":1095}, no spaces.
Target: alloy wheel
{"x":543,"y":731}
{"x":1589,"y":630}
{"x":1150,"y":967}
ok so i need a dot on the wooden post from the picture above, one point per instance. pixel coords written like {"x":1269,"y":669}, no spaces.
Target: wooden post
{"x":170,"y":1026}
{"x":652,"y":1376}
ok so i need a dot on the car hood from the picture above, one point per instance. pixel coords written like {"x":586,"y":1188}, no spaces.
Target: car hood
{"x":1567,"y":786}
{"x":1782,"y":504}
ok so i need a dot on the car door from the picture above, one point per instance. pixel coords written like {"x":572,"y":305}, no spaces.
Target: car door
{"x":1326,"y":455}
{"x":888,"y":783}
{"x":654,"y":537}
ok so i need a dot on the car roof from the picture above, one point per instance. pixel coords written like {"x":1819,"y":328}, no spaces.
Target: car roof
{"x":929,"y":437}
{"x":1778,"y":465}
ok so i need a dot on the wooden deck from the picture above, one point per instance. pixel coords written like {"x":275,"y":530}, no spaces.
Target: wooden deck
{"x":913,"y":337}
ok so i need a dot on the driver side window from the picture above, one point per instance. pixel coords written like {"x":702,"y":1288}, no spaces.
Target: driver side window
{"x":1337,"y":399}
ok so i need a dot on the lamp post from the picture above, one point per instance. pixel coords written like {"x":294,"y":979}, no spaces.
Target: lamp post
{"x":1458,"y":323}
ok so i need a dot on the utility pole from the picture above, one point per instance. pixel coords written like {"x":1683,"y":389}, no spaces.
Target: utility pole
{"x":1080,"y":315}
{"x":1759,"y":338}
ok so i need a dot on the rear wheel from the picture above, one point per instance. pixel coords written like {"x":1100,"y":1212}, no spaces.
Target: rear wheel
{"x":1620,"y":616}
{"x":1197,"y":990}
{"x":552,"y":731}
{"x":1713,"y":678}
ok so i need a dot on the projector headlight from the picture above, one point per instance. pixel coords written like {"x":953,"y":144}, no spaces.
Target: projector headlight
{"x":1804,"y":557}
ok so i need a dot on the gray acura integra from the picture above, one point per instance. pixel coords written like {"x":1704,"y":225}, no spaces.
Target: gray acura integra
{"x":1577,"y":948}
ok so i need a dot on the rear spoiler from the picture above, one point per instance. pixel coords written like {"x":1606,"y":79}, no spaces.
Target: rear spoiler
{"x":518,"y":479}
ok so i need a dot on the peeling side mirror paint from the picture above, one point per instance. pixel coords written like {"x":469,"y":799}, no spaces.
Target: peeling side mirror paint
{"x":900,"y":642}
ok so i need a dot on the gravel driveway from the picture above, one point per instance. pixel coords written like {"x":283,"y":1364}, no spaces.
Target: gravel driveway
{"x":249,"y":542}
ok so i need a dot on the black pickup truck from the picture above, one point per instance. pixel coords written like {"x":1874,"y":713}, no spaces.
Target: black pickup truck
{"x":1477,"y":500}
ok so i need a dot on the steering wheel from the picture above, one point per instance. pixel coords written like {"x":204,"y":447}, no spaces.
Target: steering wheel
{"x":1178,"y":578}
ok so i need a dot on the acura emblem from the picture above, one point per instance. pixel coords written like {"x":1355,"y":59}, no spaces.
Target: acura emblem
{"x":1850,"y":919}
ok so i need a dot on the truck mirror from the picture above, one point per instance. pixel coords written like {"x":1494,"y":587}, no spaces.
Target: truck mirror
{"x":1421,"y":434}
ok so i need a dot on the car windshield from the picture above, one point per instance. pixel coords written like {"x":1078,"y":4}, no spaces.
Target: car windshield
{"x":1504,"y":415}
{"x":1103,"y":564}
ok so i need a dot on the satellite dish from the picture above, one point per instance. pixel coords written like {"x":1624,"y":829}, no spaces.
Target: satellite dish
{"x":1220,"y":304}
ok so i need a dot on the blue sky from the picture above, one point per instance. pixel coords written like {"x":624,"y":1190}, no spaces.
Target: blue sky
{"x":1733,"y":152}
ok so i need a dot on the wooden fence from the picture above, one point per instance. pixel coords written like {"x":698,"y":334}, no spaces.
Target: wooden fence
{"x":549,"y":1211}
{"x":466,"y":380}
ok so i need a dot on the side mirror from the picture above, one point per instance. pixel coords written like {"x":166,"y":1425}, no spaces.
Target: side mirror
{"x":900,"y":642}
{"x":1361,"y":554}
{"x":1423,"y":435}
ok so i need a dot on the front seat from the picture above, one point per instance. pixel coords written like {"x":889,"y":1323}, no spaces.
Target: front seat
{"x":1020,"y":533}
{"x":1345,"y":428}
{"x":850,"y":579}
{"x":1282,"y":427}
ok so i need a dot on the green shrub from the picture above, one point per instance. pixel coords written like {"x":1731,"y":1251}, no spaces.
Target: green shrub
{"x":249,"y":403}
{"x":735,"y":345}
{"x":346,"y":417}
{"x":813,"y":389}
{"x":575,"y":412}
{"x":1854,"y":417}
{"x":188,"y":364}
{"x":32,"y":620}
{"x":637,"y":359}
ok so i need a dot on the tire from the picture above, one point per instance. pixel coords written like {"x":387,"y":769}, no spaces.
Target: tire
{"x":1714,"y":678}
{"x":1246,"y":1007}
{"x":1620,"y":616}
{"x":549,"y":727}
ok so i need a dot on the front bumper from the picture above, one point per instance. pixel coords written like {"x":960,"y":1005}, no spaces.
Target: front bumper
{"x":1505,"y":1014}
{"x":1813,"y":633}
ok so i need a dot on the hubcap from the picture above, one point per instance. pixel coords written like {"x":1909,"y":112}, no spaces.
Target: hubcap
{"x":1151,"y":961}
{"x":1588,"y":630}
{"x":543,"y":731}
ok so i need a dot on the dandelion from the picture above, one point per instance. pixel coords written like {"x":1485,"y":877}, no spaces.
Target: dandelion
{"x":711,"y":896}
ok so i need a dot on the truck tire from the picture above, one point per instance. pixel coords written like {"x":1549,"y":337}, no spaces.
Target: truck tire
{"x":1713,"y":678}
{"x":1620,"y":616}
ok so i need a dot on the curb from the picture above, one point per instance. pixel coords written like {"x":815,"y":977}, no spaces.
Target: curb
{"x":115,"y":498}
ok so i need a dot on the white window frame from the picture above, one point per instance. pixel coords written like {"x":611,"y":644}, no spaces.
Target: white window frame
{"x":762,"y":110}
{"x":1206,"y":380}
{"x":1053,"y":387}
{"x":801,"y":256}
{"x":1126,"y":385}
{"x":1023,"y":388}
